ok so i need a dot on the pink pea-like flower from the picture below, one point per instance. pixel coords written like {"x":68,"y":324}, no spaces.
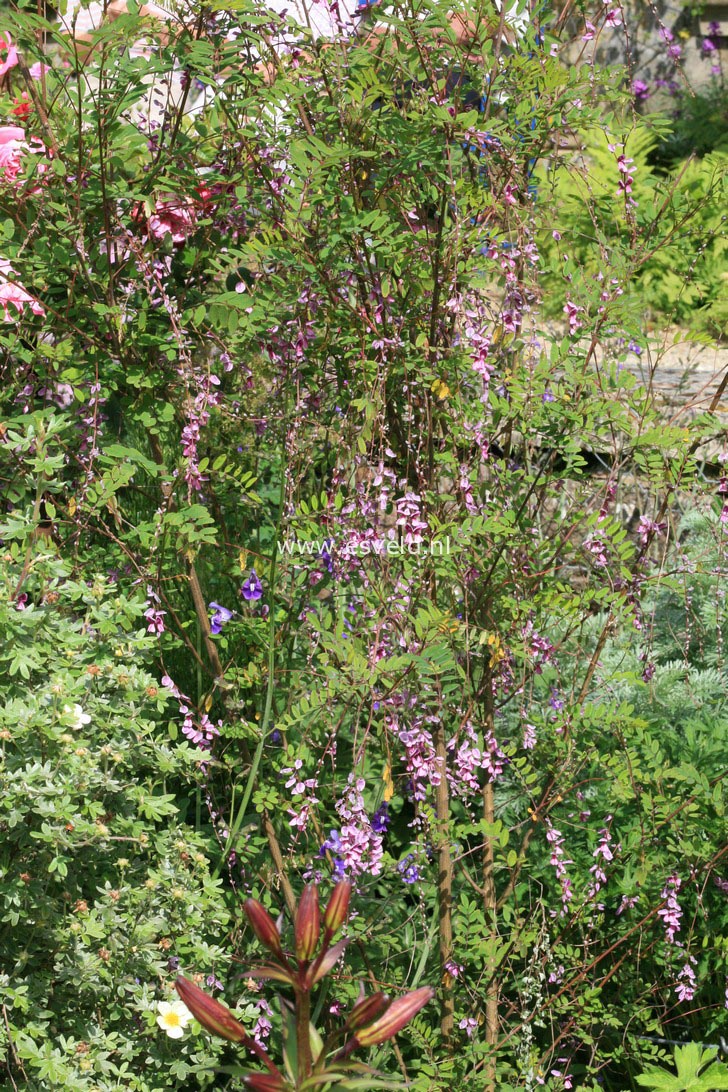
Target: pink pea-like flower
{"x":509,"y":194}
{"x":8,"y":54}
{"x":571,"y":310}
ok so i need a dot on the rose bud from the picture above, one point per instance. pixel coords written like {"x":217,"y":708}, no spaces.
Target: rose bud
{"x":214,"y":1017}
{"x":263,"y":925}
{"x":308,"y":923}
{"x":265,"y":1082}
{"x":337,"y":908}
{"x":399,"y":1013}
{"x":366,"y":1010}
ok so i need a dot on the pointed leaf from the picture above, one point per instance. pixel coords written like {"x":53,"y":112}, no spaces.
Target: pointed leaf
{"x":290,"y":1044}
{"x":272,"y":970}
{"x":331,"y":957}
{"x":317,"y":1043}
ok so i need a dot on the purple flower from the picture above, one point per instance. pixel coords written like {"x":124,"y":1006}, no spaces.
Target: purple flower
{"x":325,"y":554}
{"x":556,"y":701}
{"x":640,"y":90}
{"x":332,"y":843}
{"x":408,"y":870}
{"x":218,"y":617}
{"x":707,"y":46}
{"x":339,"y":872}
{"x":381,"y":819}
{"x":252,"y":588}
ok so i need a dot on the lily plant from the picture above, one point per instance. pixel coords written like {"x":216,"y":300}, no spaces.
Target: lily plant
{"x":309,"y":1061}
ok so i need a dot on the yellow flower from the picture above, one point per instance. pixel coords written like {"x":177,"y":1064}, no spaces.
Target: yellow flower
{"x":173,"y":1018}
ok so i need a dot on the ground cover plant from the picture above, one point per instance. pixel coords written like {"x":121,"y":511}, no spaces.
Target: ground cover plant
{"x":316,"y":571}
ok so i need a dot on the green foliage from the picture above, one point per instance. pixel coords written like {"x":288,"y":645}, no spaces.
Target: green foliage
{"x":680,"y":274}
{"x":103,"y":890}
{"x":699,"y":125}
{"x":290,"y":354}
{"x":696,"y":1068}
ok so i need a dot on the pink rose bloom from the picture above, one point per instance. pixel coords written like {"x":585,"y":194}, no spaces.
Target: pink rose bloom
{"x":13,"y":294}
{"x":38,"y":70}
{"x":12,"y":147}
{"x":176,"y":218}
{"x":8,"y":54}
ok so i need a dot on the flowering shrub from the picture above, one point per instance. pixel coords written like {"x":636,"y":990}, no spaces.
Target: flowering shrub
{"x":339,"y":515}
{"x":103,"y":890}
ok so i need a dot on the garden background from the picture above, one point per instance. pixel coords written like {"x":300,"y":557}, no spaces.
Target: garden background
{"x":347,"y":534}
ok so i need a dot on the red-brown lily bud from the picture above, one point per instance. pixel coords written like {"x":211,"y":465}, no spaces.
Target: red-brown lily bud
{"x":263,"y":925}
{"x":337,"y":908}
{"x":308,"y":923}
{"x":264,"y":1082}
{"x":399,"y":1013}
{"x":366,"y":1010}
{"x":214,"y":1017}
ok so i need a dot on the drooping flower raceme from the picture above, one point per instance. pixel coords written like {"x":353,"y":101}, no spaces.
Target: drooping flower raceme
{"x":671,"y":912}
{"x":360,"y":845}
{"x":559,"y":862}
{"x":686,"y":984}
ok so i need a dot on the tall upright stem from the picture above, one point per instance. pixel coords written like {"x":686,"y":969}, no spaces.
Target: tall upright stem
{"x":490,"y":904}
{"x":444,"y":889}
{"x":303,"y":1040}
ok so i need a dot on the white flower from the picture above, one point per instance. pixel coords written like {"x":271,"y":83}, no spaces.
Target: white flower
{"x":78,"y":716}
{"x":173,"y":1018}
